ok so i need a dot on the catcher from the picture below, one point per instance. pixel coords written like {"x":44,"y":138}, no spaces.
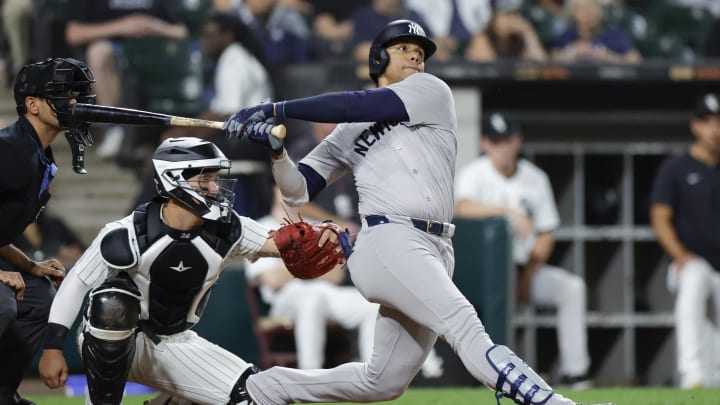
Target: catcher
{"x":150,"y":274}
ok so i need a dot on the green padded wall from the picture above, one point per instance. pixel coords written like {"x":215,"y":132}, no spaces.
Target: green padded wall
{"x":484,"y":269}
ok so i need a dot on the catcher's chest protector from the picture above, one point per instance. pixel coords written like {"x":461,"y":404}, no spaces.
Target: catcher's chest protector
{"x":181,"y":267}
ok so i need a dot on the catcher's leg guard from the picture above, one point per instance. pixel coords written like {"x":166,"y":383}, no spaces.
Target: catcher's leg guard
{"x":109,"y":339}
{"x":239,"y":394}
{"x":516,"y":380}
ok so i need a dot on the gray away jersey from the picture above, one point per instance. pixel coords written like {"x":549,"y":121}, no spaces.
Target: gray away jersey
{"x":404,"y":168}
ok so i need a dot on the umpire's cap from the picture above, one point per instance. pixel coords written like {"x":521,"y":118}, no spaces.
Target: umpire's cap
{"x":397,"y":30}
{"x":708,"y":104}
{"x":497,"y":126}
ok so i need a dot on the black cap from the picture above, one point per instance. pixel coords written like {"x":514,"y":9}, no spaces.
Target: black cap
{"x":32,"y":80}
{"x":500,"y":126}
{"x":709,"y":104}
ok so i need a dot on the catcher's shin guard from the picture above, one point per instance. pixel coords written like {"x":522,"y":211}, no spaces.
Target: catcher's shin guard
{"x":516,"y":380}
{"x":109,"y":339}
{"x":239,"y":394}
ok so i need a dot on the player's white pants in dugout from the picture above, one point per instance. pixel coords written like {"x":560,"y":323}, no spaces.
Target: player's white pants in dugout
{"x":310,"y":303}
{"x":409,"y":273}
{"x":698,"y":360}
{"x":571,"y":308}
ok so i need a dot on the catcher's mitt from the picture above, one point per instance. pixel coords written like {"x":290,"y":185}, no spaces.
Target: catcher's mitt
{"x":298,"y":246}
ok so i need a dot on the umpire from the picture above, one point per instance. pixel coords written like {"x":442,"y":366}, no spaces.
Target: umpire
{"x":44,"y":93}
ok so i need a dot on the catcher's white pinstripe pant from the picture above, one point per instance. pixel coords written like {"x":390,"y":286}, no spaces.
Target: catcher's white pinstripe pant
{"x":187,"y":366}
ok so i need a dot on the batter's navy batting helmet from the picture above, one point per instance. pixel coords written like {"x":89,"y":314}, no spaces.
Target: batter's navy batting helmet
{"x":396,"y":31}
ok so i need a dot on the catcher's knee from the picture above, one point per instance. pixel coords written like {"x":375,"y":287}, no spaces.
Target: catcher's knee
{"x":113,"y":310}
{"x":109,"y":339}
{"x":515,"y":379}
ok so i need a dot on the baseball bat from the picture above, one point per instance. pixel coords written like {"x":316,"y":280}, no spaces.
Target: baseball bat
{"x":128,"y":116}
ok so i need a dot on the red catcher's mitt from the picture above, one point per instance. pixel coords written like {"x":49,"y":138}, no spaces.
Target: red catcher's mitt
{"x":298,"y":246}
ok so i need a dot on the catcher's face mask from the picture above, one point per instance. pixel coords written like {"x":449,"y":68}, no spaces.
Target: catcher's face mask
{"x":192,"y":172}
{"x":58,"y":80}
{"x":213,"y":192}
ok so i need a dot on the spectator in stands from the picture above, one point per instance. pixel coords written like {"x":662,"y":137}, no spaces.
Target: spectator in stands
{"x":588,"y":40}
{"x":557,"y":7}
{"x":239,"y":74}
{"x":17,"y":16}
{"x":369,"y":20}
{"x":685,"y":212}
{"x":503,"y":184}
{"x":238,"y":78}
{"x":453,"y":23}
{"x":508,"y":35}
{"x":330,"y":23}
{"x":97,"y":29}
{"x":311,"y":303}
{"x":50,"y":236}
{"x":713,"y":6}
{"x":282,"y":30}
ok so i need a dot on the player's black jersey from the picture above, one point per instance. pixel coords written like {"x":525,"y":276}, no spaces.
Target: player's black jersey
{"x":26,"y":171}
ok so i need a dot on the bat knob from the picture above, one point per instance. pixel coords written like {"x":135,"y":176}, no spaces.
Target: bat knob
{"x":279,"y":131}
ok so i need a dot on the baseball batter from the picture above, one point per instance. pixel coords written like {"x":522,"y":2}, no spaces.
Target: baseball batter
{"x":149,"y":276}
{"x":399,"y":143}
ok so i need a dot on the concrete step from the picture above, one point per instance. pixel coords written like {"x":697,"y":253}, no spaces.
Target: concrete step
{"x":88,"y":201}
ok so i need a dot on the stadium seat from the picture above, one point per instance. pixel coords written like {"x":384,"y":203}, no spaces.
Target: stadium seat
{"x":164,"y":75}
{"x":689,"y":24}
{"x":670,"y":47}
{"x":193,"y":13}
{"x":542,"y":20}
{"x":634,"y":24}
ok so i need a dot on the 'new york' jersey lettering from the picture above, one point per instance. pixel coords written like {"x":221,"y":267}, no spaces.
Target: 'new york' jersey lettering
{"x":368,"y":137}
{"x":404,"y":168}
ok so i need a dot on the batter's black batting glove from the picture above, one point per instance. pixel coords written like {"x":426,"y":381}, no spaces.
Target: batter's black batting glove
{"x":236,"y":125}
{"x":259,"y":133}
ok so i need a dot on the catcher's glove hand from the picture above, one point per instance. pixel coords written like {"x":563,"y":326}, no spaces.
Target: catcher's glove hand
{"x":298,"y":246}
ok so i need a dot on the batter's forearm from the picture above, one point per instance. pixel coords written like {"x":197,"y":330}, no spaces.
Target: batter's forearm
{"x":348,"y":106}
{"x":291,"y":182}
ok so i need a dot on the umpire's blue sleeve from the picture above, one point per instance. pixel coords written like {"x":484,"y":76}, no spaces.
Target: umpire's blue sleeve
{"x":372,"y":105}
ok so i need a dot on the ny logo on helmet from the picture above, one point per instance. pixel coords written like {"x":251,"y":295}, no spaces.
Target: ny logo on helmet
{"x":415,"y":29}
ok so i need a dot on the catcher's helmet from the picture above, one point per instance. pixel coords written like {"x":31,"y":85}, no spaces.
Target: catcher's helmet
{"x":176,"y":160}
{"x":395,"y":31}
